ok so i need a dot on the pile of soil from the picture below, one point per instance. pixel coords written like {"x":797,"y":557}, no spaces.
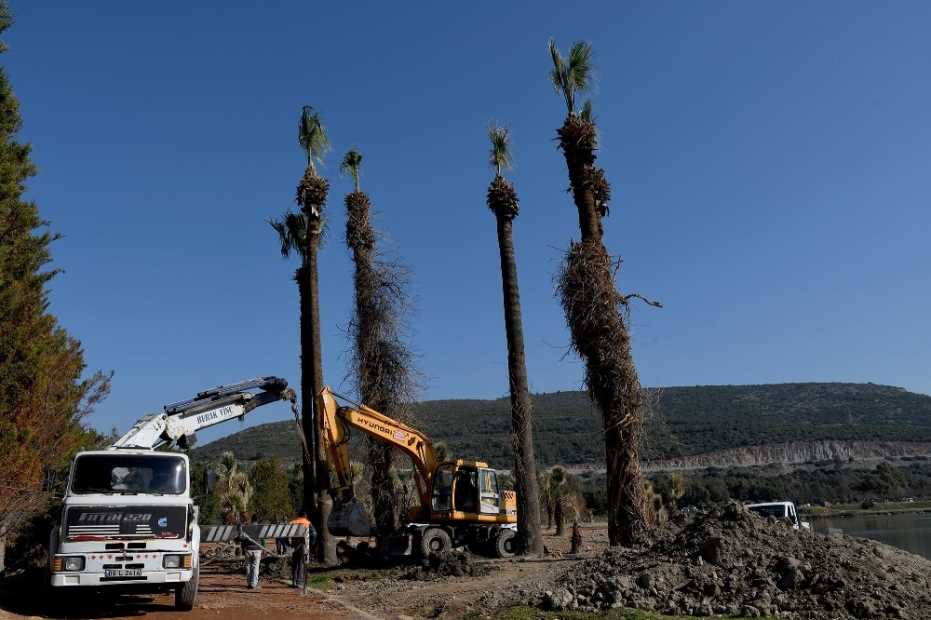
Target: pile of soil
{"x":734,"y":562}
{"x":452,"y":564}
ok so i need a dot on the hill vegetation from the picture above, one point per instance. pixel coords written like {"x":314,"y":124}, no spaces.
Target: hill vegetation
{"x":686,"y":421}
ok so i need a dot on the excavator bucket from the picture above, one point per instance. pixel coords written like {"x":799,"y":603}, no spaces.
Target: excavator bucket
{"x":349,"y":518}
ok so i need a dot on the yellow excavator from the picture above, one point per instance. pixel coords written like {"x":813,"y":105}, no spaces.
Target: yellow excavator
{"x":461,"y":503}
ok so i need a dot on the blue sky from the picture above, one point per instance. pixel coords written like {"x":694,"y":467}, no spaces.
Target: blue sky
{"x":770,"y":164}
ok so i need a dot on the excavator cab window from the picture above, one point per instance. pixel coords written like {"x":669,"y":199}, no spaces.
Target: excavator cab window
{"x":466,"y":492}
{"x":488,"y":488}
{"x":443,"y":488}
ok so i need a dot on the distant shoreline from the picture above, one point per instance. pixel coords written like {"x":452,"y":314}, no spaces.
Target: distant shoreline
{"x":847,"y":511}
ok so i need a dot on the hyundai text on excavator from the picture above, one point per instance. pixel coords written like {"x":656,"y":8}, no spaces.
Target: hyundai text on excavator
{"x":128,"y":520}
{"x":460,"y":500}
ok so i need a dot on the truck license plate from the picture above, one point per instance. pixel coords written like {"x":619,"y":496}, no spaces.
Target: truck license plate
{"x":123,"y":572}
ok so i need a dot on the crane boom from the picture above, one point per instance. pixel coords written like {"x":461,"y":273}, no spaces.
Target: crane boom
{"x":179,"y":421}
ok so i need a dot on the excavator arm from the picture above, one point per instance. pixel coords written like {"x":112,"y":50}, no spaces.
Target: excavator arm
{"x":179,"y":421}
{"x":337,"y":420}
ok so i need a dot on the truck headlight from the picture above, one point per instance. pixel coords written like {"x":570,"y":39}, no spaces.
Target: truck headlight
{"x":172,"y":561}
{"x":74,"y":563}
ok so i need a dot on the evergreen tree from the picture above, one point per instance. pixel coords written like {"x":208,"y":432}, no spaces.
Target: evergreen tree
{"x":42,"y":395}
{"x":271,"y":498}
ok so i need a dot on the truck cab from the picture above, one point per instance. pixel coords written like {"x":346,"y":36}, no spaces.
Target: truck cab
{"x":128,"y":521}
{"x":780,"y":510}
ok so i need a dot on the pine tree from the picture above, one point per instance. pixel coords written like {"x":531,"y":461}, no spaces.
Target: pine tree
{"x":42,"y":395}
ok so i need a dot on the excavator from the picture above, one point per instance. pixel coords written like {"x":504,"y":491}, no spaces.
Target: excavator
{"x":461,"y":503}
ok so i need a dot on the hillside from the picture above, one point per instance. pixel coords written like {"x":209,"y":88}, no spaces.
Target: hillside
{"x":689,"y":421}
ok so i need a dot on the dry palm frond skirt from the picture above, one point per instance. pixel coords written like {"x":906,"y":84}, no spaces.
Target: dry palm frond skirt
{"x":599,"y":334}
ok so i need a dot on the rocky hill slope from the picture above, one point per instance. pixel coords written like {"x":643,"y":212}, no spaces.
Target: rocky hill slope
{"x":691,"y":426}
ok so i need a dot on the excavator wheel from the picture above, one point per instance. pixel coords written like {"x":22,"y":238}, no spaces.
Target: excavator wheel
{"x":436,"y":541}
{"x":505,"y":543}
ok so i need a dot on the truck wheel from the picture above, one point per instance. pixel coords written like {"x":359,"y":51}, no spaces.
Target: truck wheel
{"x":186,"y":593}
{"x":435,"y":540}
{"x":505,"y":543}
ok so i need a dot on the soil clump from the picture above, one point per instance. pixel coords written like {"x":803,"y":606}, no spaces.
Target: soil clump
{"x":452,"y":564}
{"x":731,"y":561}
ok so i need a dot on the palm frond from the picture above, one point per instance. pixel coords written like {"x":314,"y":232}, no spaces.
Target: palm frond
{"x":500,"y":156}
{"x":292,"y":233}
{"x":571,"y":75}
{"x":586,"y":112}
{"x":312,"y":136}
{"x":352,"y":165}
{"x":580,"y":66}
{"x":559,"y":75}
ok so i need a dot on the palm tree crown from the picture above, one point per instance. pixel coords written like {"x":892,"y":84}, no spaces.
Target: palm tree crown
{"x":500,"y":156}
{"x":571,"y":75}
{"x":352,"y":165}
{"x":501,"y":197}
{"x":312,"y":136}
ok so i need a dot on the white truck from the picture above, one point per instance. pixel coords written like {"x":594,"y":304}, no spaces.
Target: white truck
{"x":780,"y":510}
{"x":128,"y":521}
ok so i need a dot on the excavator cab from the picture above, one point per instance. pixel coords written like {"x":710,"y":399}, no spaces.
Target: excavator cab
{"x":466,"y":490}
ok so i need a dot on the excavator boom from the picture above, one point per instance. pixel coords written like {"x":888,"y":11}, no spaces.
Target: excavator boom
{"x":408,"y":439}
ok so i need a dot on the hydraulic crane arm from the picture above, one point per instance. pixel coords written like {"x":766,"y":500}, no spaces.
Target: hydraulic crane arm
{"x":179,"y":421}
{"x":408,"y":439}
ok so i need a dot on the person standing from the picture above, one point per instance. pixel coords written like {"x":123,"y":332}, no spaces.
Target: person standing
{"x":300,"y":554}
{"x":253,"y":550}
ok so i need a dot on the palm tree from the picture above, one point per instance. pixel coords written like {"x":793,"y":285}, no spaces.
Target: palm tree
{"x":300,"y":233}
{"x":234,"y":492}
{"x":381,"y":360}
{"x":502,"y":200}
{"x":592,"y":303}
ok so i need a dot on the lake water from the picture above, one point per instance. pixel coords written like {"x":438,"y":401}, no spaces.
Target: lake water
{"x":910,"y":531}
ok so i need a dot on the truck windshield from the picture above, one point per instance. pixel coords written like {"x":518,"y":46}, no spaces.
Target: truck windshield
{"x":129,"y":474}
{"x":770,"y":510}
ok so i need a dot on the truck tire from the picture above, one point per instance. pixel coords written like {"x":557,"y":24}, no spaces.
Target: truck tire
{"x":186,"y":593}
{"x":505,"y":543}
{"x":435,"y":540}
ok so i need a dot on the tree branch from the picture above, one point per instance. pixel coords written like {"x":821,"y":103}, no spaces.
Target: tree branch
{"x":626,"y":298}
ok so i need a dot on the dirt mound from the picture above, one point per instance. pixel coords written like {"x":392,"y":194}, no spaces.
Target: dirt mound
{"x":453,"y":564}
{"x":731,"y":561}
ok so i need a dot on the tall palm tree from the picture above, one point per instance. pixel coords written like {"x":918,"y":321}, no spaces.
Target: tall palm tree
{"x":592,"y":303}
{"x":300,"y":233}
{"x":502,"y":200}
{"x":381,"y":360}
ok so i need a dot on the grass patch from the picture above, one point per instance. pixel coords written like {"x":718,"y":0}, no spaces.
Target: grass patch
{"x":324,"y":579}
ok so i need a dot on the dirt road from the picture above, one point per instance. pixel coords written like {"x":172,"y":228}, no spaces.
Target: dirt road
{"x":221,"y":597}
{"x":342,"y":593}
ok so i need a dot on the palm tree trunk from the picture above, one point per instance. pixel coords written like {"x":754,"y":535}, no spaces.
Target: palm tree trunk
{"x":309,"y":461}
{"x":577,"y":138}
{"x":560,"y":518}
{"x":525,"y":467}
{"x":380,"y":356}
{"x":326,"y":545}
{"x":385,"y":499}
